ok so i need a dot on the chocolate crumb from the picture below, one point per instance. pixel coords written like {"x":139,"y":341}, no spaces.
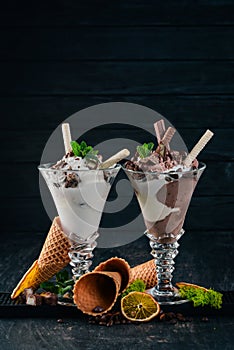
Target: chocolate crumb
{"x":110,"y":323}
{"x":173,"y":321}
{"x":188,"y":319}
{"x":49,"y":298}
{"x":171,"y":315}
{"x":180,"y":317}
{"x":97,"y":309}
{"x":34,"y":300}
{"x":162,"y":317}
{"x":109,"y":319}
{"x":72,"y":180}
{"x":205,"y":319}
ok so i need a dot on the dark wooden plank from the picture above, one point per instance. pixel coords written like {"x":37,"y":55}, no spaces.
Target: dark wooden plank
{"x":205,"y":213}
{"x":153,"y":43}
{"x":21,"y":146}
{"x":197,"y":249}
{"x":47,"y":334}
{"x":117,"y":13}
{"x":46,"y":113}
{"x":88,"y":78}
{"x":26,"y":184}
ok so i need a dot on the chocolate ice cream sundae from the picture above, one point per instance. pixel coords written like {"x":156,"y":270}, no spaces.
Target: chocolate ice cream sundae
{"x":164,"y":181}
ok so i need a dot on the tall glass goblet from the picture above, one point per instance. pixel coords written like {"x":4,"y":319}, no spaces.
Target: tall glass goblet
{"x":164,"y":200}
{"x":79,"y":197}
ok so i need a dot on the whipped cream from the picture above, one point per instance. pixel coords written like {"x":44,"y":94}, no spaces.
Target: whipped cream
{"x":71,"y":162}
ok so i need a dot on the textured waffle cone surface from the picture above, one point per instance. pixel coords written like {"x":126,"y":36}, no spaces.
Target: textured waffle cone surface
{"x":54,"y":254}
{"x":53,"y":258}
{"x":31,"y":279}
{"x":117,"y":265}
{"x":97,"y":288}
{"x":146,"y":272}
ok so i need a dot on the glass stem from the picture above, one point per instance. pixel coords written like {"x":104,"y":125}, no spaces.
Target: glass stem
{"x":81,"y":255}
{"x":164,"y":255}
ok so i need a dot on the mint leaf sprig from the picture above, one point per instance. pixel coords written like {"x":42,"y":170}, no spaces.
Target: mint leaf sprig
{"x":201,"y":296}
{"x":61,"y":285}
{"x":83,"y":150}
{"x":145,"y":150}
{"x":137,"y":286}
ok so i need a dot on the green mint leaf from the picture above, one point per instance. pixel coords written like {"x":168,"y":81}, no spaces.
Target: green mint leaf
{"x":150,"y":146}
{"x":137,"y":286}
{"x":62,"y":276}
{"x":65,"y":289}
{"x":89,"y":149}
{"x":145,"y":150}
{"x":83,"y":145}
{"x":83,"y":150}
{"x":62,"y":284}
{"x":76,"y":148}
{"x":86,"y":150}
{"x":69,"y":282}
{"x":141,"y":151}
{"x":49,"y":287}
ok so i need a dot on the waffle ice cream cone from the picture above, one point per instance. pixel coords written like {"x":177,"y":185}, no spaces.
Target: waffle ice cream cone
{"x":110,"y":278}
{"x":146,"y":272}
{"x":53,"y":258}
{"x":117,"y":265}
{"x":97,"y":289}
{"x":102,"y":286}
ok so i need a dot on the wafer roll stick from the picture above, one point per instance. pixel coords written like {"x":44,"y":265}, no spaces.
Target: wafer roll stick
{"x":66,"y":137}
{"x":168,"y":136}
{"x":198,"y":148}
{"x":159,"y":128}
{"x":114,"y":159}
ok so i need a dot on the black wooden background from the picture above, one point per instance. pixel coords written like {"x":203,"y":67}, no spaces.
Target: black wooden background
{"x":176,"y":57}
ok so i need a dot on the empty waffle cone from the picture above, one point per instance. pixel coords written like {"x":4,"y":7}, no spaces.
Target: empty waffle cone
{"x":117,"y":265}
{"x":53,"y":258}
{"x":54,"y":254}
{"x":97,"y":289}
{"x":146,"y":272}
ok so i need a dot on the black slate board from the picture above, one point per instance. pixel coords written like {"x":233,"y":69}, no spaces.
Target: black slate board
{"x":13,"y":309}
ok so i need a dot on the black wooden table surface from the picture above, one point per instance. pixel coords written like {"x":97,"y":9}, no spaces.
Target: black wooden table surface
{"x":175,"y":57}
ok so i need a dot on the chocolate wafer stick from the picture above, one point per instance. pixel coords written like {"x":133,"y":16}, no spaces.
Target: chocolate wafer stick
{"x":168,"y":136}
{"x":159,"y":128}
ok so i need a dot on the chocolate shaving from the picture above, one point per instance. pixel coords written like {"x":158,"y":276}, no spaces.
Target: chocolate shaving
{"x":71,"y":180}
{"x":161,"y":150}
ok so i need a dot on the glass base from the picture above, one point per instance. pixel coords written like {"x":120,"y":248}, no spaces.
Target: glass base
{"x":164,"y":253}
{"x":170,"y":298}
